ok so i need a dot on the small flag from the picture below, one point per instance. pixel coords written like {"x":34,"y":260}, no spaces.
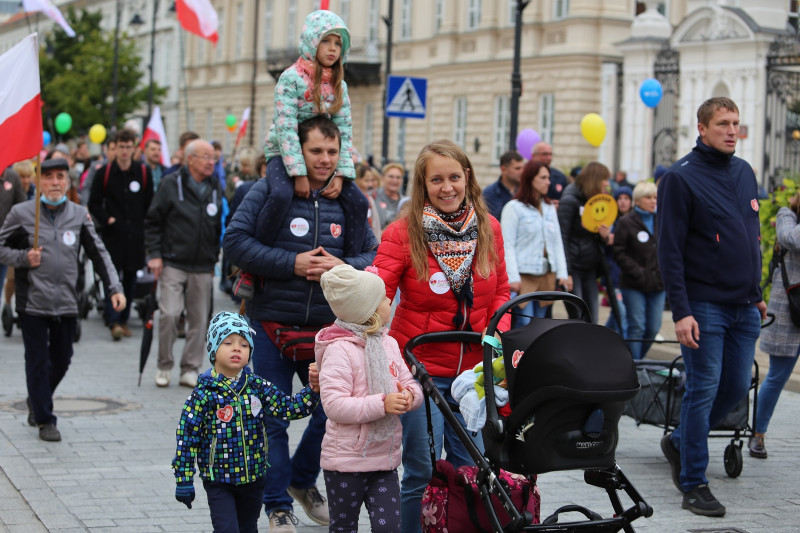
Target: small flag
{"x":47,"y":7}
{"x":155,"y":130}
{"x":20,"y":103}
{"x":243,"y":125}
{"x":198,"y":17}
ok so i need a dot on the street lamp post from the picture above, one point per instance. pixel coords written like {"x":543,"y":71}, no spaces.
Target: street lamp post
{"x":115,"y":66}
{"x":388,"y":71}
{"x":516,"y":78}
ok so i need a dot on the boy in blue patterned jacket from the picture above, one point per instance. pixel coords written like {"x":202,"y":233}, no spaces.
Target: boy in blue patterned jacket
{"x":222,"y":427}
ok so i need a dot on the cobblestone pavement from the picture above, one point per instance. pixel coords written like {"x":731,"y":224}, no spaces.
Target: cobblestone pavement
{"x":112,"y":470}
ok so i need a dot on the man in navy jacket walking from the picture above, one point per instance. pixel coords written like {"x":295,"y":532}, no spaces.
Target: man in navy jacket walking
{"x":710,"y":259}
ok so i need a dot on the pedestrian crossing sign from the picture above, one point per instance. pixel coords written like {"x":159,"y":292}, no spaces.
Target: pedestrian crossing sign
{"x":405,"y":97}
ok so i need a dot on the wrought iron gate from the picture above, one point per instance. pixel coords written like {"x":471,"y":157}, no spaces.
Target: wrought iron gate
{"x":782,"y":124}
{"x":665,"y":118}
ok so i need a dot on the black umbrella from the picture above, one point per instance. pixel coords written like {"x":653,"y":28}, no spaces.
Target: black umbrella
{"x":150,"y":306}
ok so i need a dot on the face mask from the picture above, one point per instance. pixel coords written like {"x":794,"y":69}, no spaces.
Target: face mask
{"x":56,"y":203}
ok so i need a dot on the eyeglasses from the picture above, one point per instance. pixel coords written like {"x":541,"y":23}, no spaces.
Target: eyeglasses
{"x":544,"y":154}
{"x":204,"y":157}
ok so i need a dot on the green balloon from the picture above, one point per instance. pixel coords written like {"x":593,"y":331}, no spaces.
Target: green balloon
{"x":63,"y":123}
{"x":230,"y":121}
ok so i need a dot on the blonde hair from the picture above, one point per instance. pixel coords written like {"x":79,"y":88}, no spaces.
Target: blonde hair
{"x":337,"y":75}
{"x":643,"y":189}
{"x":389,"y":166}
{"x":485,"y":254}
{"x":374,"y":324}
{"x":24,"y":167}
{"x":248,"y":155}
{"x":590,"y":179}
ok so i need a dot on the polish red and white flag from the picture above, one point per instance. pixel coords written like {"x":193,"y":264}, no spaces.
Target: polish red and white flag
{"x":198,"y":17}
{"x":47,"y":7}
{"x":155,"y":130}
{"x":20,"y":103}
{"x":243,"y":125}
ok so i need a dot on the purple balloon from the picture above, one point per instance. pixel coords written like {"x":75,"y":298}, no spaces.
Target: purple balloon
{"x":526,"y":140}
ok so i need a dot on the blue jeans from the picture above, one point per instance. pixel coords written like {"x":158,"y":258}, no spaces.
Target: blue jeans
{"x":644,"y":311}
{"x":301,"y":469}
{"x":584,"y":286}
{"x":522,"y":317}
{"x":611,"y":323}
{"x":718,"y":376}
{"x":780,"y":368}
{"x":3,"y":270}
{"x":417,"y":468}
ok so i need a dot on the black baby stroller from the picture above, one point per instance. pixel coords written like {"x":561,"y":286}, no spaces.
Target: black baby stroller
{"x":568,"y":381}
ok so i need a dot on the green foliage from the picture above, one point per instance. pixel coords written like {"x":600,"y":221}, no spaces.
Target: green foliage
{"x":768,"y":210}
{"x":77,"y":73}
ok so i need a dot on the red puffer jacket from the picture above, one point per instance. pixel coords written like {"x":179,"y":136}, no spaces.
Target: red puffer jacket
{"x":429,"y":305}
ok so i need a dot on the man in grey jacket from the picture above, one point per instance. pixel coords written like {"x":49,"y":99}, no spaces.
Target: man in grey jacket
{"x":181,"y":236}
{"x":46,"y":277}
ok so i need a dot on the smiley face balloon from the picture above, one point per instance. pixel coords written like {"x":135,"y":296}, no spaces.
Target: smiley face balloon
{"x":600,"y":209}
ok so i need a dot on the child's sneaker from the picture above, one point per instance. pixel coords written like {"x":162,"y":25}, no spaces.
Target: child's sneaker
{"x":243,"y":286}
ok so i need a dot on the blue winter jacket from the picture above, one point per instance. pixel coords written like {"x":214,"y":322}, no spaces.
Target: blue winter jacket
{"x":708,"y":231}
{"x":280,"y":295}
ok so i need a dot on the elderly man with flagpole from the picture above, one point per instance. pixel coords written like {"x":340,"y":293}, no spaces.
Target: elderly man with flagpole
{"x":43,"y":243}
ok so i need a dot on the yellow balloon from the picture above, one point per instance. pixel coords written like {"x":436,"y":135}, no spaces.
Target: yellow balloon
{"x":593,"y":129}
{"x":97,"y":133}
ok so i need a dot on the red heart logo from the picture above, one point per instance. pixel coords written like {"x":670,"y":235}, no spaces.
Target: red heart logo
{"x":516,"y":357}
{"x":226,"y":413}
{"x":393,"y":369}
{"x":336,"y":230}
{"x":754,"y":204}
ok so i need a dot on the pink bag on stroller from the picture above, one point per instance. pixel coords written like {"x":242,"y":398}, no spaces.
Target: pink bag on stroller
{"x":452,"y":502}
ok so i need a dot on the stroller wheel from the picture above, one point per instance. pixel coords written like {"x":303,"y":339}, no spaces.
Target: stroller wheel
{"x":8,"y":319}
{"x":733,"y":459}
{"x":77,"y":335}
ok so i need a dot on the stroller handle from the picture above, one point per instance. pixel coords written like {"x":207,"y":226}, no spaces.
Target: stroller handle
{"x":574,"y":303}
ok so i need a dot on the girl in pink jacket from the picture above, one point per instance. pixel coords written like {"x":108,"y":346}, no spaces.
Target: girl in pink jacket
{"x":364,"y":386}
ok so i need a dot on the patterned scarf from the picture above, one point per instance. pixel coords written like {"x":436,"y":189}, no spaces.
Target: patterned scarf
{"x":306,"y":69}
{"x":452,"y":240}
{"x":379,"y":381}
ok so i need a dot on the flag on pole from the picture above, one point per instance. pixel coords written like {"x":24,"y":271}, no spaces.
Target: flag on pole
{"x":20,"y":103}
{"x":198,"y":17}
{"x":243,"y":125}
{"x":47,"y":7}
{"x":155,"y":130}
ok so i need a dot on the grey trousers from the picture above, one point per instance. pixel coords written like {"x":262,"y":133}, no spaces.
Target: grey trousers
{"x":179,"y":288}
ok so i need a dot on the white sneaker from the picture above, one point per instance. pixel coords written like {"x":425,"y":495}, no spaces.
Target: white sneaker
{"x":162,"y":378}
{"x":189,"y":379}
{"x":659,"y":338}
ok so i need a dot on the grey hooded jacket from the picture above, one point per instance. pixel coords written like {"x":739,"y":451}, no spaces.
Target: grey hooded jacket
{"x":51,"y":288}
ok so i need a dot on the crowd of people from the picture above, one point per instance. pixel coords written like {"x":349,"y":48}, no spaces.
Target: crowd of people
{"x":327,"y":243}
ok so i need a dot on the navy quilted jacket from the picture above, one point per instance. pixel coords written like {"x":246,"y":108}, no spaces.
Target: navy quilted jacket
{"x":222,"y":427}
{"x":280,"y":295}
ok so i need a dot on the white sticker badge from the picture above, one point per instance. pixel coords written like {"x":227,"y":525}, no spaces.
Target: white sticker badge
{"x":7,"y":185}
{"x":299,"y":227}
{"x":69,"y":238}
{"x":255,"y":405}
{"x":212,"y":209}
{"x":134,"y":186}
{"x":643,"y":236}
{"x":438,"y":283}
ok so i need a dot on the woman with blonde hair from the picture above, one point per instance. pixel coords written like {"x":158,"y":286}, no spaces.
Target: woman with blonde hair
{"x":584,"y":255}
{"x":387,"y":198}
{"x":446,"y":257}
{"x":636,"y":252}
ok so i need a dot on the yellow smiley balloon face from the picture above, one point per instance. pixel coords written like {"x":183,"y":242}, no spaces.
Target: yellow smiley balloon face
{"x":599,"y":210}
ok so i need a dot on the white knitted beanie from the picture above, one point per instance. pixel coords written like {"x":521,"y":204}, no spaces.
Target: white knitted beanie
{"x":354,"y":295}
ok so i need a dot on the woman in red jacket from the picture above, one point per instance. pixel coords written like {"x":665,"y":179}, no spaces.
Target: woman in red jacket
{"x":446,"y":258}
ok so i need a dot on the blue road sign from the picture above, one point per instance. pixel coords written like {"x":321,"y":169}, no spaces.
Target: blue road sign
{"x":406,"y":97}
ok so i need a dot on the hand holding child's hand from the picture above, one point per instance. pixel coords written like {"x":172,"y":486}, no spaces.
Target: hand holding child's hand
{"x":313,"y":377}
{"x":301,"y":187}
{"x":184,"y":493}
{"x":397,"y":403}
{"x":334,"y":188}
